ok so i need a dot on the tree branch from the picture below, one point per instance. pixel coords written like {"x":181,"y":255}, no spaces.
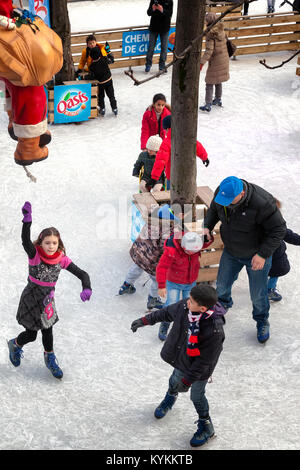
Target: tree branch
{"x":263,"y":62}
{"x":188,"y":48}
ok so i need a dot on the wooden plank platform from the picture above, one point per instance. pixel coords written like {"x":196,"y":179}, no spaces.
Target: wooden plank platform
{"x":209,"y":260}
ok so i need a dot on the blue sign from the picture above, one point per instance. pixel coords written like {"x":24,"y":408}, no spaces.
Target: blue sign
{"x":40,"y":8}
{"x":72,"y":103}
{"x":137,"y":42}
{"x":137,"y":222}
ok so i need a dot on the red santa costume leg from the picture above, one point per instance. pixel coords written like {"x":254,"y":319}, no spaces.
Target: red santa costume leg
{"x":29,"y":116}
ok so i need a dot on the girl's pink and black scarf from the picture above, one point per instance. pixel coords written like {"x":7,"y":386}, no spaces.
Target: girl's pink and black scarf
{"x":194,"y":328}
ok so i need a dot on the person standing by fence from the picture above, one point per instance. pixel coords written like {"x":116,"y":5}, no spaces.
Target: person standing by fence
{"x":161,"y":12}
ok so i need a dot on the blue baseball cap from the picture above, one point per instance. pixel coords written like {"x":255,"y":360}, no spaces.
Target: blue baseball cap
{"x":229,"y":188}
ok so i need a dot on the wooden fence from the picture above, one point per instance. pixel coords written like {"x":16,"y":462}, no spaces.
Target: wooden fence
{"x":298,"y":68}
{"x":251,"y":34}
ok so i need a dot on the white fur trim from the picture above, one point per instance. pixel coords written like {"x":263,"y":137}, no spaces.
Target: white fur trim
{"x":7,"y":104}
{"x":30,"y":130}
{"x":7,"y":23}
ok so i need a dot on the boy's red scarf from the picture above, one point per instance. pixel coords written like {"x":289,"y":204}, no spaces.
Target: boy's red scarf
{"x":194,"y":328}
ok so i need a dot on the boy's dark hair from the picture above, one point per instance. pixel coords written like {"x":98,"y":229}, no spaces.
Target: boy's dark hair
{"x":91,"y":37}
{"x":204,"y":295}
{"x":159,"y":96}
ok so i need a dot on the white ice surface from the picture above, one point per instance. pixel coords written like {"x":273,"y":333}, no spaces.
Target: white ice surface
{"x":113,"y":379}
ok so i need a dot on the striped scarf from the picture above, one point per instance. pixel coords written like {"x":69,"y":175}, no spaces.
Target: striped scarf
{"x":194,"y":328}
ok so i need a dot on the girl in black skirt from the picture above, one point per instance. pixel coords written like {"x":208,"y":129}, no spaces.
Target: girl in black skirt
{"x":37,"y":311}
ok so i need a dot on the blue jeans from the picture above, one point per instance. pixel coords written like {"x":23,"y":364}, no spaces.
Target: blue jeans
{"x":164,"y":47}
{"x":197,"y":392}
{"x":135,"y":272}
{"x":272,"y":282}
{"x":229,"y":269}
{"x":174,"y":290}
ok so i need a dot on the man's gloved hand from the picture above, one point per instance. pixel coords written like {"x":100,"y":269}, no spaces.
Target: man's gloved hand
{"x":137,"y":324}
{"x":107,"y":47}
{"x":206,"y":162}
{"x":183,"y":386}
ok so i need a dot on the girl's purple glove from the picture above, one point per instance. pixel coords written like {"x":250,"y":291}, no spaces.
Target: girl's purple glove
{"x":26,"y":211}
{"x":85,"y":294}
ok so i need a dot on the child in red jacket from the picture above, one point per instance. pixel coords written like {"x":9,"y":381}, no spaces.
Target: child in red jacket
{"x":153,"y":118}
{"x":177,"y":270}
{"x":163,"y":156}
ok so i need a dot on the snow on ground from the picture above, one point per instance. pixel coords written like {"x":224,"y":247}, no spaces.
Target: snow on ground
{"x":114,"y":379}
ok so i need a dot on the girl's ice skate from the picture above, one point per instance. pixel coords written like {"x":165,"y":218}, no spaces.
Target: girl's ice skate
{"x":52,"y":364}
{"x":15,"y":353}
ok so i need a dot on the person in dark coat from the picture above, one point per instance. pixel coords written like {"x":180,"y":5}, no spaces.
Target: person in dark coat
{"x":280,"y":262}
{"x":145,"y":163}
{"x":99,"y":70}
{"x":37,"y":310}
{"x":161,"y":12}
{"x":252,"y":228}
{"x":192,"y":348}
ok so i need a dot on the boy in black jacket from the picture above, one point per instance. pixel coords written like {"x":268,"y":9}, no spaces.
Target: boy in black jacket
{"x":192,"y":347}
{"x":100,"y":70}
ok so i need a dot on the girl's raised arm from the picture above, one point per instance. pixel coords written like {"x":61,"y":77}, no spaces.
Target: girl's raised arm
{"x":26,"y":241}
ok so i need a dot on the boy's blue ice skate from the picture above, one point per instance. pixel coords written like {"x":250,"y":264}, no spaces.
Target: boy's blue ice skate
{"x":204,"y":432}
{"x":154,"y":303}
{"x":263,"y":332}
{"x":52,"y":364}
{"x":163,"y":330}
{"x":127,"y":288}
{"x":165,"y":406}
{"x":15,"y":353}
{"x":274,"y":296}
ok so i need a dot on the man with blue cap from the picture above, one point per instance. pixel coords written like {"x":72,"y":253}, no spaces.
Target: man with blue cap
{"x":251,"y":230}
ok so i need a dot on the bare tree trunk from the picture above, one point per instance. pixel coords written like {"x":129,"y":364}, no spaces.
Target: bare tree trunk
{"x":60,"y":23}
{"x":185,"y":86}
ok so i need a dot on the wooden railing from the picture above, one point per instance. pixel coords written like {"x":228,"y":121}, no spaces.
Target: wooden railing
{"x":251,"y":34}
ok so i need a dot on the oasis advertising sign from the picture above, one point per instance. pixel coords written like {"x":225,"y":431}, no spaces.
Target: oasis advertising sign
{"x":40,"y":8}
{"x":137,"y":42}
{"x":72,"y":103}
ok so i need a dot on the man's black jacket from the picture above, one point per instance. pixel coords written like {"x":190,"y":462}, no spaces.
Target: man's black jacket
{"x":255,"y":226}
{"x":160,"y":22}
{"x":174,"y":351}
